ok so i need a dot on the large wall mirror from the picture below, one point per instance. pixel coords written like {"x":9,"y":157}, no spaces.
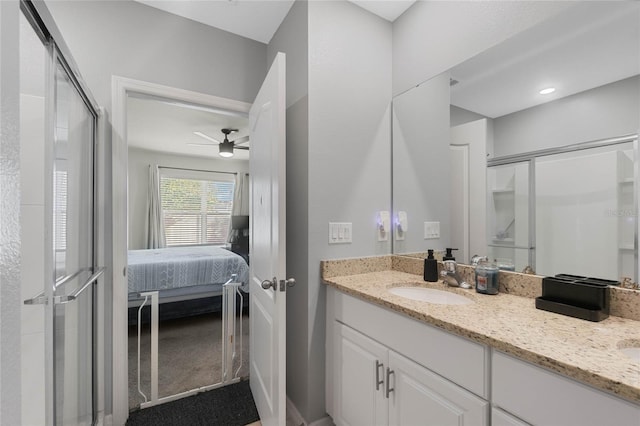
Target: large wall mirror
{"x":487,"y":161}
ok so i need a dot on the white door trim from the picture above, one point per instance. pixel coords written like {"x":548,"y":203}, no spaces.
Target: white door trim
{"x":120,"y":88}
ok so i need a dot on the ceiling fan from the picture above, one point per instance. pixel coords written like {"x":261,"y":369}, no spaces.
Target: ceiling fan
{"x":225,"y":147}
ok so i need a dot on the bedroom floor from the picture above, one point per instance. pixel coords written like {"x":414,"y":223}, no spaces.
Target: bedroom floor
{"x":189,"y":355}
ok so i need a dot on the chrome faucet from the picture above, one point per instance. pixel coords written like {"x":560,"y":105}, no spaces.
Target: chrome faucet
{"x":450,"y":275}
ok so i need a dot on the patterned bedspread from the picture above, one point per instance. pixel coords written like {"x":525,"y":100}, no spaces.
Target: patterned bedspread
{"x":176,"y":267}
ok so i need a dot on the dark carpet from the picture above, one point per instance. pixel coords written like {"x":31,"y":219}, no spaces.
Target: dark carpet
{"x":231,"y":405}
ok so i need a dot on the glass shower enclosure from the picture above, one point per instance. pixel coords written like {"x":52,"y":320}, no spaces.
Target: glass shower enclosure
{"x":58,"y":124}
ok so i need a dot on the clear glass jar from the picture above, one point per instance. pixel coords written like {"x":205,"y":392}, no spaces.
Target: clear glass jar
{"x":505,"y":264}
{"x":487,"y":277}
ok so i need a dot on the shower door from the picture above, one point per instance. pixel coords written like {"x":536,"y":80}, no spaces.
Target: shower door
{"x":58,"y":134}
{"x":72,"y":316}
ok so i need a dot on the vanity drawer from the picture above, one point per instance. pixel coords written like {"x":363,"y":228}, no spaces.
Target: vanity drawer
{"x":458,"y":359}
{"x":542,"y":397}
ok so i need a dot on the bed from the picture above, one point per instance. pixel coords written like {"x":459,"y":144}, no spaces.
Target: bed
{"x":180,"y":274}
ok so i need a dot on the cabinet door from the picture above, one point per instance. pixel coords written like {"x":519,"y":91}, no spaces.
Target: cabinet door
{"x":421,"y":397}
{"x":359,"y":367}
{"x":502,"y":418}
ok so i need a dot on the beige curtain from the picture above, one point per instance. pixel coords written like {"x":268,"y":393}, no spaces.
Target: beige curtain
{"x":155,"y":227}
{"x":241,"y":195}
{"x":240,"y":203}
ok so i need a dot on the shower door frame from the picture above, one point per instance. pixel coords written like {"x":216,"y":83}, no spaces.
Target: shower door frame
{"x":600,"y":143}
{"x":45,"y":27}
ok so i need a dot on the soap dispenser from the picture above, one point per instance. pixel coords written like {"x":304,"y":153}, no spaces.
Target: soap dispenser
{"x":449,"y":254}
{"x":430,"y":268}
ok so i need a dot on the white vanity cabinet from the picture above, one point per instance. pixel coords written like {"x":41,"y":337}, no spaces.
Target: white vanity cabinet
{"x":380,"y":369}
{"x":502,"y":418}
{"x":374,"y":385}
{"x":421,"y":397}
{"x":541,"y":397}
{"x":359,"y":383}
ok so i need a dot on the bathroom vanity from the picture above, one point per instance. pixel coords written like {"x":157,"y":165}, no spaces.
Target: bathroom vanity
{"x":494,"y":361}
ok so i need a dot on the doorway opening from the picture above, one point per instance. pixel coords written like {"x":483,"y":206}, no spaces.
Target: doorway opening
{"x":187,"y":240}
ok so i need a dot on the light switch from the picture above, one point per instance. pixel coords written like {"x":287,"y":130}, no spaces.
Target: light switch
{"x":431,"y":230}
{"x":340,"y":232}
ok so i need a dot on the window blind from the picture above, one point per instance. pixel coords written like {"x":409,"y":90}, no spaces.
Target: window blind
{"x":195,"y":210}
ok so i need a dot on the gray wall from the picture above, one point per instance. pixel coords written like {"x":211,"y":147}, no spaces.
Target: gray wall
{"x":129,"y":39}
{"x":139,"y":160}
{"x":461,"y":116}
{"x":349,"y":166}
{"x":292,"y":39}
{"x":338,"y":165}
{"x":433,"y":36}
{"x":603,"y":112}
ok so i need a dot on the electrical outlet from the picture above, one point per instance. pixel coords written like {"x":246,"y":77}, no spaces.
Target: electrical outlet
{"x":431,"y":230}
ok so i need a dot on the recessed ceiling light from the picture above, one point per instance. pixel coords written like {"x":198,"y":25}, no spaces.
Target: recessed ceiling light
{"x":547,"y":90}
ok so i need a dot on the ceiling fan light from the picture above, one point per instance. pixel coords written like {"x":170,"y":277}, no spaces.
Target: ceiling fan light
{"x":226,"y":149}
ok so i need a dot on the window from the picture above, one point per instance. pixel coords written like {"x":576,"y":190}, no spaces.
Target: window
{"x":196,"y":206}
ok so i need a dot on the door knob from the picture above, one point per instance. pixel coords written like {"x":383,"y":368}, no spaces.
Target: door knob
{"x":270,"y":283}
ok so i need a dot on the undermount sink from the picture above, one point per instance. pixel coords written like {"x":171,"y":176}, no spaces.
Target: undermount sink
{"x":430,"y":295}
{"x":630,"y":348}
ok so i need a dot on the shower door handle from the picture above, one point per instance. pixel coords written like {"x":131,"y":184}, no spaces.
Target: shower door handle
{"x":58,"y":300}
{"x":41,"y":299}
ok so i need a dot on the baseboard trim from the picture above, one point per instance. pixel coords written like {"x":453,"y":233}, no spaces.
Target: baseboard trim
{"x":294,"y":415}
{"x":107,"y":420}
{"x":325,"y":421}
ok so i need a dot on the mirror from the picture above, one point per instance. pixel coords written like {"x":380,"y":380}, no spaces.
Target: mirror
{"x":483,"y":161}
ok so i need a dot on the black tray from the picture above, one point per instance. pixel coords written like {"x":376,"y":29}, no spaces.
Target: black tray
{"x":594,"y":315}
{"x":590,"y":280}
{"x":581,"y":292}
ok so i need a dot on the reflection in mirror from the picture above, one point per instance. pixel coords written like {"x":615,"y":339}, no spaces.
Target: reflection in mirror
{"x":544,"y":180}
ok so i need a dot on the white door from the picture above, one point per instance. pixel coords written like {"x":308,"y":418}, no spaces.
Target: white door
{"x":475,"y":137}
{"x":459,"y":201}
{"x":267,"y":247}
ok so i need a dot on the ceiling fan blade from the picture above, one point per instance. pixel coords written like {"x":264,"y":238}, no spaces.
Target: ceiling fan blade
{"x":209,"y":138}
{"x":201,"y":144}
{"x":241,"y":147}
{"x":241,"y":140}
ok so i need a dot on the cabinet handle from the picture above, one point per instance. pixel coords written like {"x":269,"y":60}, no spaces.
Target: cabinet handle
{"x":378,"y":381}
{"x":389,"y":388}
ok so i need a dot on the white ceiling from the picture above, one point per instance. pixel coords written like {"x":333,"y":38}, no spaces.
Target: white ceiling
{"x":158,"y":125}
{"x":387,"y":9}
{"x":589,"y":45}
{"x":258,"y":19}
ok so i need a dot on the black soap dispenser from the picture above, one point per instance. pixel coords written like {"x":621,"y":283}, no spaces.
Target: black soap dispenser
{"x":430,"y":268}
{"x":449,"y":254}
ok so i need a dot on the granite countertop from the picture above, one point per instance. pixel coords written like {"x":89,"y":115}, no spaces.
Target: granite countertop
{"x":583,"y":350}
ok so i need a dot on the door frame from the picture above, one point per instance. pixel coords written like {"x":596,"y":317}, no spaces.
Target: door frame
{"x":121,"y":87}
